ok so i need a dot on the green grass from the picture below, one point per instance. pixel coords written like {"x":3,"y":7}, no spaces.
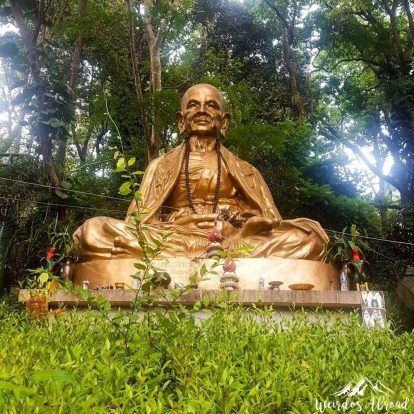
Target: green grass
{"x":231,"y":363}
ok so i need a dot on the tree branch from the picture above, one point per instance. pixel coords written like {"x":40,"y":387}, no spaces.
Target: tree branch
{"x":331,"y":132}
{"x":74,"y":67}
{"x":279,"y":14}
{"x":39,"y":22}
{"x":410,"y":34}
{"x":21,"y":24}
{"x":148,"y":22}
{"x":135,"y":70}
{"x":391,"y":11}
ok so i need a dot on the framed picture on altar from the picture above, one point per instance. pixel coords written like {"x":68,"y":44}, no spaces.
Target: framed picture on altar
{"x":373,"y":309}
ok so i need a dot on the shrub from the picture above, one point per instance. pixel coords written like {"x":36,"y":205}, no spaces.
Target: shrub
{"x":233,"y":362}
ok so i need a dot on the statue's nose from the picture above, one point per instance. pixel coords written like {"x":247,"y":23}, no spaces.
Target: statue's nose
{"x":202,"y":110}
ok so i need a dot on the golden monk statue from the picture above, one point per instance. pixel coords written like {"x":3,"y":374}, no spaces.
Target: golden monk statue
{"x":186,"y":190}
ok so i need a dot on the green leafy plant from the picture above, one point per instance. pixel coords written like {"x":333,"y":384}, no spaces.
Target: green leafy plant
{"x":229,"y":363}
{"x":340,"y":246}
{"x":61,"y":238}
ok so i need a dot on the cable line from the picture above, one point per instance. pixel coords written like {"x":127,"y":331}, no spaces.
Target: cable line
{"x":61,"y":205}
{"x":371,"y":238}
{"x":62,"y":189}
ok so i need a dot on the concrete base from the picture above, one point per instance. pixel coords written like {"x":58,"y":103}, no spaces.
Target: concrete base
{"x":283,"y":299}
{"x":102,"y":273}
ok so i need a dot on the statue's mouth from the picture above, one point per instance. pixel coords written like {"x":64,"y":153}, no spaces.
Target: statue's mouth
{"x":202,"y":121}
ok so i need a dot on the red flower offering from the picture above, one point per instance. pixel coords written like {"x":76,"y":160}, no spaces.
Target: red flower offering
{"x":51,"y":253}
{"x":214,"y":235}
{"x":229,"y":266}
{"x":355,"y":255}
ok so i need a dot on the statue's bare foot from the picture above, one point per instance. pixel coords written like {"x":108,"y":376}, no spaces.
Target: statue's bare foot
{"x":124,"y":246}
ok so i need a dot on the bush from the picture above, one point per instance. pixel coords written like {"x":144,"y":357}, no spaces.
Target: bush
{"x":231,"y":363}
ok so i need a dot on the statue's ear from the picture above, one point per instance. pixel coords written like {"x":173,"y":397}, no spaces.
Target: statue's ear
{"x":224,"y":124}
{"x":180,"y":122}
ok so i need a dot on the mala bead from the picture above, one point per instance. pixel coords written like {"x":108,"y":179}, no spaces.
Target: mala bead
{"x":187,"y":178}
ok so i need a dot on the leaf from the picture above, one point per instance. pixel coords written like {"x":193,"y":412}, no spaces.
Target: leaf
{"x":66,"y":184}
{"x":103,"y":304}
{"x":56,"y":375}
{"x":7,"y":386}
{"x":206,"y":301}
{"x":136,"y":216}
{"x":125,"y":188}
{"x":56,"y":123}
{"x":131,"y":161}
{"x":61,"y":194}
{"x":43,"y":278}
{"x":140,"y":266}
{"x":120,"y":165}
{"x":138,"y":196}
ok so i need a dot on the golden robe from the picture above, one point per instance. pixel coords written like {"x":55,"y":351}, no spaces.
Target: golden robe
{"x":242,"y":191}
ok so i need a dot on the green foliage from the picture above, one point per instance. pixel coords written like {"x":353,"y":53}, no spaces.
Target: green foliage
{"x":229,"y":363}
{"x":341,"y":245}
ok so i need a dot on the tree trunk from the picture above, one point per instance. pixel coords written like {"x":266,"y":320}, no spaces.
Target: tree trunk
{"x":154,"y":44}
{"x":290,"y":63}
{"x":396,"y":34}
{"x":155,"y":141}
{"x":74,"y":67}
{"x":30,"y":42}
{"x":288,"y":54}
{"x":136,"y":73}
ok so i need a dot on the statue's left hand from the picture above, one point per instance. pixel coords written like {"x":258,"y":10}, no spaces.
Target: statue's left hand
{"x":258,"y":225}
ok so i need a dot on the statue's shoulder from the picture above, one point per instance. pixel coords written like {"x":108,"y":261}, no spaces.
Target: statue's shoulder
{"x":242,"y":166}
{"x":167,"y":159}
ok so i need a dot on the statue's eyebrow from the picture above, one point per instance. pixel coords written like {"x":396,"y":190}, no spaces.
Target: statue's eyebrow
{"x":192,"y":101}
{"x":215,"y":102}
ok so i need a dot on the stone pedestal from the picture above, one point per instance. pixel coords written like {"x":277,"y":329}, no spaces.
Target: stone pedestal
{"x":282,"y":302}
{"x":322,"y":276}
{"x":283,"y":299}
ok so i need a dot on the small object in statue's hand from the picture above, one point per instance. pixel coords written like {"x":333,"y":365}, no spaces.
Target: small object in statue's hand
{"x":224,"y":214}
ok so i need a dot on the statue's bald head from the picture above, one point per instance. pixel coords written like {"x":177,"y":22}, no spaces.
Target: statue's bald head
{"x":202,"y":112}
{"x":202,"y":88}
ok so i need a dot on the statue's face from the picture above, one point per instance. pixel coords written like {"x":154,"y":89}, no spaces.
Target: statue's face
{"x":202,"y":112}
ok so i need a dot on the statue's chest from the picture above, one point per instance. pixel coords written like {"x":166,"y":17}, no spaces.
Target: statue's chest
{"x":203,"y":178}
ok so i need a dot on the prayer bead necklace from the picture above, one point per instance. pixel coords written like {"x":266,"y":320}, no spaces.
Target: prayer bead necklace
{"x":187,"y":177}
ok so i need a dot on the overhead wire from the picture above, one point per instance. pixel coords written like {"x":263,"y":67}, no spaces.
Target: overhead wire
{"x":371,"y":238}
{"x":62,"y":189}
{"x":60,"y":205}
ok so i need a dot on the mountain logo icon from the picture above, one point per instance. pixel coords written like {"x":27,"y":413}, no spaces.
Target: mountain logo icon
{"x":353,"y":389}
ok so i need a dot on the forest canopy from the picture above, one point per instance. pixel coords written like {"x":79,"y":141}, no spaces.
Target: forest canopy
{"x":320,"y":93}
